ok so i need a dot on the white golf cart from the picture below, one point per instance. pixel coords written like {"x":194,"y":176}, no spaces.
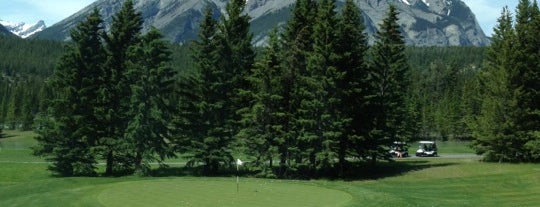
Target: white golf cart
{"x":427,"y":149}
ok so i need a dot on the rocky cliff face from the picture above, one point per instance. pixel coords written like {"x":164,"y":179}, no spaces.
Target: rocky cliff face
{"x":430,"y":22}
{"x":424,"y":22}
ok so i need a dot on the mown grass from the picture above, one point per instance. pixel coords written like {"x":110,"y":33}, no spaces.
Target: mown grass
{"x":447,"y":147}
{"x":406,"y":182}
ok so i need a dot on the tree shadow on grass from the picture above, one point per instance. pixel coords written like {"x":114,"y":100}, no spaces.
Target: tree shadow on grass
{"x":352,"y":171}
{"x":365,"y":171}
{"x":198,"y":171}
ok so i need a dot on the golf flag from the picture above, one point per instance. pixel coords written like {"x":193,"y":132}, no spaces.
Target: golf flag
{"x":239,"y":162}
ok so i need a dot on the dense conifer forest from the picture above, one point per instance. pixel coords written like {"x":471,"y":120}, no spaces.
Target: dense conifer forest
{"x":33,"y":62}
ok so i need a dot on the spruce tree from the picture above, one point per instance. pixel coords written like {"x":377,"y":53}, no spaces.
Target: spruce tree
{"x":386,"y":110}
{"x":262,"y":131}
{"x":508,"y":127}
{"x":152,"y":89}
{"x":192,"y":121}
{"x":494,"y":127}
{"x":528,"y":61}
{"x":352,"y":48}
{"x":206,"y":110}
{"x":125,"y":32}
{"x":222,"y":86}
{"x":297,"y":42}
{"x":67,"y":137}
{"x":237,"y":57}
{"x":320,"y":116}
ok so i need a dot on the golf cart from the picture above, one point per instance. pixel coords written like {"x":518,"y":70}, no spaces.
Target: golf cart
{"x":427,"y":149}
{"x":399,"y":149}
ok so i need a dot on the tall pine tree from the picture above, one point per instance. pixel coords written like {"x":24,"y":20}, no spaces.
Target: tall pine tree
{"x":494,"y":127}
{"x":262,"y":122}
{"x":68,"y":137}
{"x":115,"y":95}
{"x":224,"y":57}
{"x":528,"y":64}
{"x":386,"y":110}
{"x":151,"y":107}
{"x":320,"y":116}
{"x":352,"y":47}
{"x":508,"y":127}
{"x":297,"y":43}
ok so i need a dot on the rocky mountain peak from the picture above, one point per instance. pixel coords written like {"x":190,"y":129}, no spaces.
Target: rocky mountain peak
{"x":22,"y":29}
{"x":424,"y":22}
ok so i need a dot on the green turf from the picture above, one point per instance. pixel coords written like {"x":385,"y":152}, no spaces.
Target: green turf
{"x":448,"y":147}
{"x":455,"y":182}
{"x":222,"y":192}
{"x":24,"y":181}
{"x":454,"y":147}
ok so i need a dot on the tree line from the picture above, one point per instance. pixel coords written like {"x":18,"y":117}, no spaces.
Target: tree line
{"x":311,"y":99}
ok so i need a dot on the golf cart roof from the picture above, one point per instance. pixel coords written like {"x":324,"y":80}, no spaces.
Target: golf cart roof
{"x":426,"y":142}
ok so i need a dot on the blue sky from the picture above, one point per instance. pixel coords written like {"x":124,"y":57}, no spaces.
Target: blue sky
{"x":52,"y":11}
{"x":487,"y":11}
{"x":31,"y":11}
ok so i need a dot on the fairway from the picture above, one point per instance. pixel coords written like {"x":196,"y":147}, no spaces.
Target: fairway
{"x":221,"y":192}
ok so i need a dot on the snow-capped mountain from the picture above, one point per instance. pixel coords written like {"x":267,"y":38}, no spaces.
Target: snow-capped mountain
{"x":424,"y":22}
{"x":22,"y":29}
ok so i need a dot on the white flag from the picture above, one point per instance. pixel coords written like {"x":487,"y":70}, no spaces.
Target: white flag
{"x":238,"y":162}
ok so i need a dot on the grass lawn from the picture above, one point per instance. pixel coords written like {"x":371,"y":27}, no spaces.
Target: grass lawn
{"x":24,"y":181}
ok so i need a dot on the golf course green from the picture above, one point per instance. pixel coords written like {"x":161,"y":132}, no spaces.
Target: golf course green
{"x":221,"y":192}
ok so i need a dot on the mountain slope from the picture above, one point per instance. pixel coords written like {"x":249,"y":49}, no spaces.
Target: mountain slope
{"x":4,"y":31}
{"x":22,"y":29}
{"x":424,"y":22}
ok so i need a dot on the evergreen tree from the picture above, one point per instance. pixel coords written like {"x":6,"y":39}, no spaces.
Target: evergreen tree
{"x":508,"y":127}
{"x":152,"y":89}
{"x":387,"y":112}
{"x":494,"y":126}
{"x":208,"y":109}
{"x":193,"y":120}
{"x":320,"y":117}
{"x":262,"y":122}
{"x":125,"y":32}
{"x":352,"y":47}
{"x":297,"y":42}
{"x":67,"y":137}
{"x":14,"y":109}
{"x":224,"y":59}
{"x":236,"y":57}
{"x":528,"y":62}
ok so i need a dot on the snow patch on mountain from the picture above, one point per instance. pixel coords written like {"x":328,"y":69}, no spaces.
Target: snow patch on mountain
{"x":22,"y":29}
{"x":406,"y":2}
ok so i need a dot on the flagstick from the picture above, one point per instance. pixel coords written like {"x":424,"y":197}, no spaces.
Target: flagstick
{"x":237,"y":179}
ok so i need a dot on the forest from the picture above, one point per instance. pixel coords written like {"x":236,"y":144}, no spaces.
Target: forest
{"x":316,"y":96}
{"x":28,"y":64}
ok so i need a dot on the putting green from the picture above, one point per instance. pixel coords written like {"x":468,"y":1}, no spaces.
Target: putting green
{"x":221,"y":192}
